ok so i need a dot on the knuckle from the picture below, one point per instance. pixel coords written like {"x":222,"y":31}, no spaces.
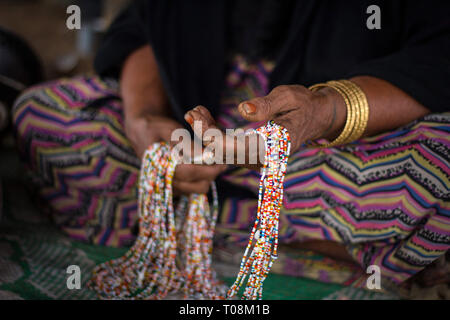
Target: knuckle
{"x":266,"y":104}
{"x":280,"y":89}
{"x":290,"y":95}
{"x":285,"y":95}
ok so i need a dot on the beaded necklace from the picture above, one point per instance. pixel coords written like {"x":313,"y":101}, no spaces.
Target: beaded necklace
{"x":173,"y":249}
{"x":263,"y":242}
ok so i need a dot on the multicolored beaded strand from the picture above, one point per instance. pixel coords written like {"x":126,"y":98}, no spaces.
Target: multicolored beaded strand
{"x":263,"y":242}
{"x":155,"y":266}
{"x":173,"y":249}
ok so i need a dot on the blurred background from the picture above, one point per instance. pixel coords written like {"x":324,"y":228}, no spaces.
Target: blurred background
{"x":36,"y":46}
{"x":42,"y":24}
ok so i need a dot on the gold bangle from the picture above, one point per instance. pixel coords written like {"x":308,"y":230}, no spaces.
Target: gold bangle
{"x":363,"y":109}
{"x":346,"y":132}
{"x":354,"y":105}
{"x":357,"y":111}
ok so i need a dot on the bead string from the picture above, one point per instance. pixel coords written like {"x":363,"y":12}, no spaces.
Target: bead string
{"x":173,"y":249}
{"x":263,"y":242}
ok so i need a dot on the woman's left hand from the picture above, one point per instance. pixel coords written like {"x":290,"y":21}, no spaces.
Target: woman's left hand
{"x":305,"y":114}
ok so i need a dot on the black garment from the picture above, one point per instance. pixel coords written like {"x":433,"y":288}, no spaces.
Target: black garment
{"x":325,"y":40}
{"x":256,"y":28}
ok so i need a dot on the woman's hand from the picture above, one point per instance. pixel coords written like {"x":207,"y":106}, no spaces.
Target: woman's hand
{"x":143,"y":131}
{"x":321,"y":114}
{"x":306,"y":115}
{"x":148,"y":119}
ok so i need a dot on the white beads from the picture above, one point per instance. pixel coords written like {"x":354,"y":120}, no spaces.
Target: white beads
{"x":148,"y":270}
{"x":264,"y":243}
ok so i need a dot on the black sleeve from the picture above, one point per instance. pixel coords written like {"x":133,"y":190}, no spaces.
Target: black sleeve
{"x":125,"y":35}
{"x":421,"y":67}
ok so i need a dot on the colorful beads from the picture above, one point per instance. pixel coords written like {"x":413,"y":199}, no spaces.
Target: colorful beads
{"x":173,"y":250}
{"x":263,"y":243}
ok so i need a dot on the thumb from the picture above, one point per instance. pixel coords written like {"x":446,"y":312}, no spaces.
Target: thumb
{"x":280,"y":100}
{"x":257,"y":109}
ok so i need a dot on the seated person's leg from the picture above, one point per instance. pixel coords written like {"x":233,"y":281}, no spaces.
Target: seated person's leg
{"x":70,"y":135}
{"x":382,"y":197}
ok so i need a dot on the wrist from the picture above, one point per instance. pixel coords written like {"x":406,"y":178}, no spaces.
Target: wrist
{"x":332,"y":112}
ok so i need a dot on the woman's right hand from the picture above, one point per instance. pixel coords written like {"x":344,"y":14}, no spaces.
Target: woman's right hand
{"x":145,"y":102}
{"x":142,"y":131}
{"x":148,"y":120}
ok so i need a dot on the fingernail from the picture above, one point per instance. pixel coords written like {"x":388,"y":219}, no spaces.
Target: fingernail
{"x":249,"y":108}
{"x":189,"y":119}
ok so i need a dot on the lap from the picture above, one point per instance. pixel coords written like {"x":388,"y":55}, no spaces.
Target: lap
{"x":72,"y":123}
{"x":70,"y":135}
{"x":381,"y":195}
{"x":384,"y":197}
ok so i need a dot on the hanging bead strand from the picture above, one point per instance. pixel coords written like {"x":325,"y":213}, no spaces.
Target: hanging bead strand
{"x":263,"y":242}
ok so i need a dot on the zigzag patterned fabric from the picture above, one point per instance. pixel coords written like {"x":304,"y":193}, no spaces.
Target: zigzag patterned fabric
{"x":70,"y":135}
{"x":386,"y":197}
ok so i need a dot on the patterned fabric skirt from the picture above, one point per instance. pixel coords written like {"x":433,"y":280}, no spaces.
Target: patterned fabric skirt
{"x":386,"y":198}
{"x":70,"y":135}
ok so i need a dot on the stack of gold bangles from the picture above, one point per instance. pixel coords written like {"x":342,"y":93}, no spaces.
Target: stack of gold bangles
{"x":357,"y":111}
